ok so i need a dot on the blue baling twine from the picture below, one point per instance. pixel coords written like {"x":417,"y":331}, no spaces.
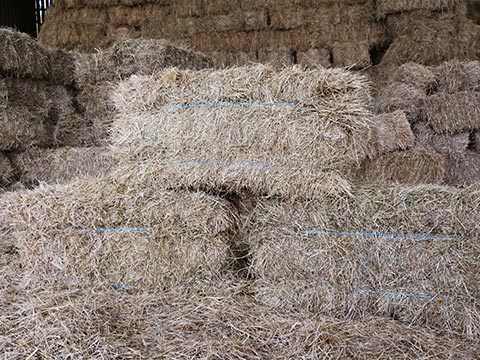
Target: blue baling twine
{"x":115,"y":285}
{"x":395,"y":294}
{"x":123,"y":229}
{"x":221,"y":163}
{"x":229,"y":104}
{"x":368,"y":234}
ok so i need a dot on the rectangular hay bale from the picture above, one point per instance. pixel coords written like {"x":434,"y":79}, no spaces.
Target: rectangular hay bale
{"x":407,"y":252}
{"x":111,"y":231}
{"x":275,"y":131}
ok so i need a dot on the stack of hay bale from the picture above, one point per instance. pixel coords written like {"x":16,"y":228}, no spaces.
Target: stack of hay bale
{"x":442,"y":104}
{"x":327,"y":32}
{"x":234,"y":227}
{"x":43,"y":128}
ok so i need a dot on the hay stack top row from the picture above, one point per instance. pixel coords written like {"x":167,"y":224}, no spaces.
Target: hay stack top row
{"x":326,"y":32}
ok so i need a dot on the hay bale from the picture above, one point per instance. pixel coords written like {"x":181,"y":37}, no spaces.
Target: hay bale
{"x":354,"y":54}
{"x":390,"y":132}
{"x":477,"y":141}
{"x":451,"y":145}
{"x":277,"y":57}
{"x":24,"y":57}
{"x":242,"y":140}
{"x":417,"y":38}
{"x":136,"y":56}
{"x":400,"y":96}
{"x":63,"y":165}
{"x":32,"y":112}
{"x":464,"y":170}
{"x":405,"y":167}
{"x":386,"y":7}
{"x":415,"y":75}
{"x":101,"y":323}
{"x":335,"y":256}
{"x":7,"y":174}
{"x":314,"y":57}
{"x":455,"y":76}
{"x":92,"y":230}
{"x":452,"y":113}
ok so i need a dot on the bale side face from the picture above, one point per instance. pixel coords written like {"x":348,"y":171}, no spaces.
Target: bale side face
{"x":464,"y":170}
{"x":390,"y":132}
{"x":455,"y":76}
{"x":353,"y":276}
{"x":7,"y":173}
{"x":453,"y":113}
{"x":453,"y":146}
{"x":415,"y":75}
{"x":412,"y":167}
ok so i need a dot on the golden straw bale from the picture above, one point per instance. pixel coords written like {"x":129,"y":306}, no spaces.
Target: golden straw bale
{"x":464,"y":170}
{"x":455,"y":76}
{"x":279,"y":131}
{"x":453,"y":113}
{"x":452,"y":145}
{"x":62,"y":165}
{"x":390,"y":132}
{"x":101,"y":322}
{"x":7,"y":173}
{"x":93,"y":230}
{"x":406,"y":167}
{"x":355,"y":55}
{"x":403,"y":252}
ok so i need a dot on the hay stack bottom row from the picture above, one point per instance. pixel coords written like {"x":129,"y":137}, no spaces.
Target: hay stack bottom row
{"x":234,"y":217}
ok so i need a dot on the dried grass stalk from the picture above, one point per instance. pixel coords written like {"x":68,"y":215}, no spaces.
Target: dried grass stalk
{"x":288,"y":150}
{"x":103,"y":323}
{"x":453,"y":113}
{"x":330,"y":270}
{"x":57,"y":166}
{"x":411,"y":167}
{"x":7,"y":174}
{"x":386,"y":7}
{"x":390,"y":132}
{"x":453,"y":146}
{"x":75,"y":231}
{"x":464,"y":170}
{"x":455,"y":76}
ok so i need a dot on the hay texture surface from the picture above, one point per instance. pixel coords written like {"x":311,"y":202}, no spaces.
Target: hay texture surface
{"x":274,"y":131}
{"x":324,"y":256}
{"x":453,"y":146}
{"x":455,"y":76}
{"x":108,"y":232}
{"x":385,"y":7}
{"x":415,"y":166}
{"x":62,"y":165}
{"x":464,"y":170}
{"x":102,"y":323}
